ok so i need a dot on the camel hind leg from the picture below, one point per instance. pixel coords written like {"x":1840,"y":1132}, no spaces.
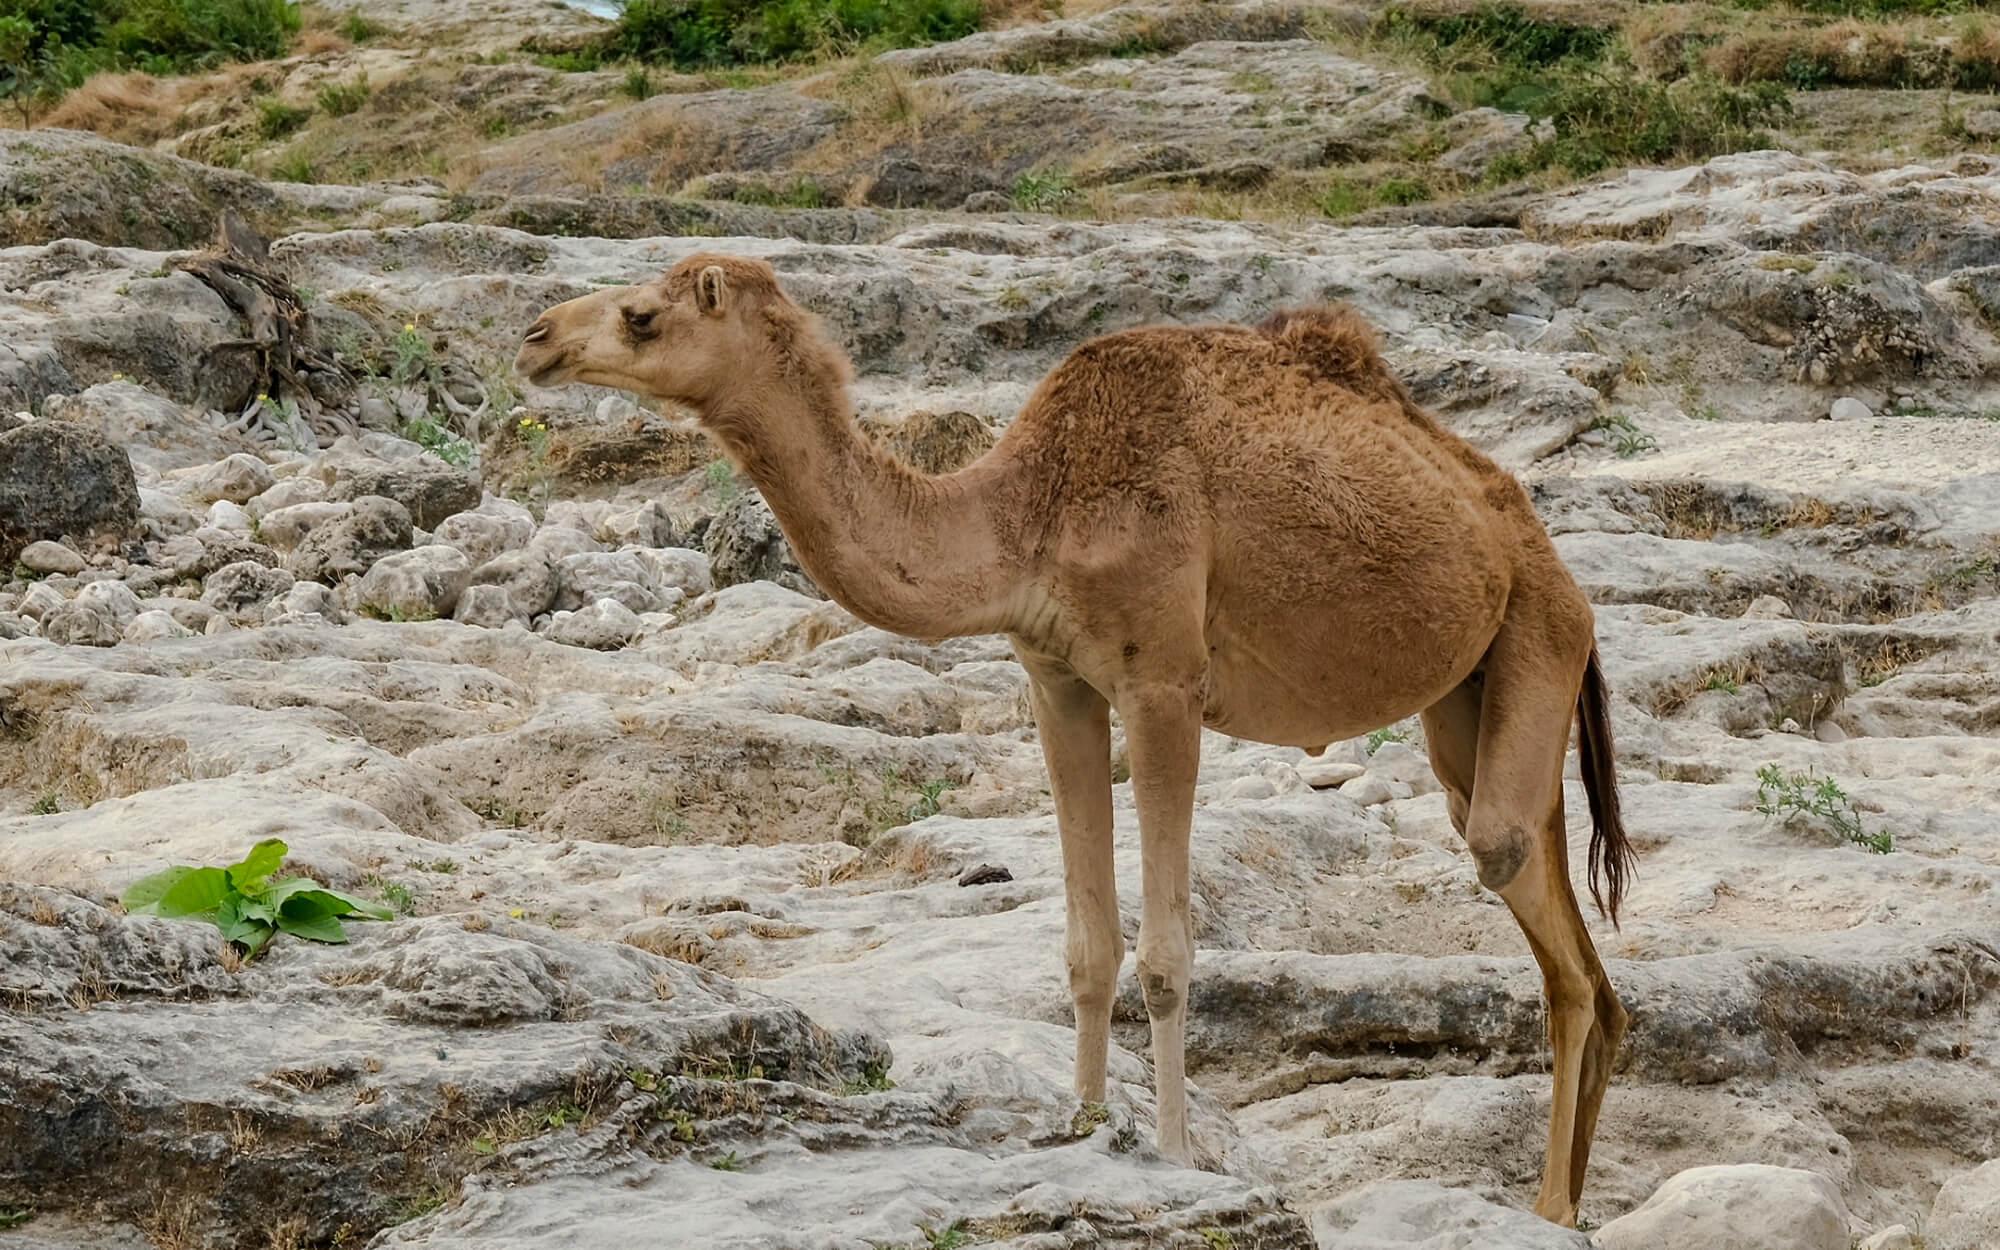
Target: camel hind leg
{"x":1497,"y":744}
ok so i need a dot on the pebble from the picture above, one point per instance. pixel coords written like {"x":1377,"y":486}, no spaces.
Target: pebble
{"x":44,"y":558}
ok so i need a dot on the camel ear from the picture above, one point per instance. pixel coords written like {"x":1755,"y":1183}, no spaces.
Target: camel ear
{"x":710,"y":291}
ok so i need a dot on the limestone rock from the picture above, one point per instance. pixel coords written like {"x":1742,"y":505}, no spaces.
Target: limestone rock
{"x":236,"y":479}
{"x":594,"y":576}
{"x":60,"y":480}
{"x":1848,"y":408}
{"x":605,"y":625}
{"x":154,"y":625}
{"x":78,"y":625}
{"x":155,"y":431}
{"x":1736,"y":1207}
{"x":427,"y":487}
{"x":285,"y":528}
{"x":745,"y":544}
{"x":350,"y":545}
{"x":244,"y":585}
{"x":1404,"y":1215}
{"x":1966,"y":1215}
{"x":422,"y":584}
{"x":527,"y":585}
{"x":47,"y":557}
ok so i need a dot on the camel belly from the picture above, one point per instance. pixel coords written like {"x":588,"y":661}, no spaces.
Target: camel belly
{"x":1314,"y":677}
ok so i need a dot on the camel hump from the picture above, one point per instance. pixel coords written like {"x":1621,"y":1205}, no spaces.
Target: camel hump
{"x":1335,"y":343}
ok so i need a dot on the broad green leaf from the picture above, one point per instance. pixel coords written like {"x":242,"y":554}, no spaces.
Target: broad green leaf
{"x":240,"y":919}
{"x":142,"y":897}
{"x":256,"y":867}
{"x":198,"y":893}
{"x":254,"y":940}
{"x":334,"y":903}
{"x":317,"y":927}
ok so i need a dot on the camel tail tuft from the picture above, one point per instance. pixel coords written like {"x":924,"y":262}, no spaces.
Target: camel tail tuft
{"x":1611,"y":856}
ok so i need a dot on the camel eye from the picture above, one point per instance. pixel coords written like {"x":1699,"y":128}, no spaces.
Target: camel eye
{"x":637,"y":320}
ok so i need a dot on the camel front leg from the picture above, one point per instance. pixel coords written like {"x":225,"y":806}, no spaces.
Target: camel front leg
{"x":1074,"y":723}
{"x":1163,"y":733}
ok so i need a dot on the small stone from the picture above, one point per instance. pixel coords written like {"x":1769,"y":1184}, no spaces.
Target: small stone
{"x":1768,"y":608}
{"x":1848,"y":408}
{"x":418,"y":585}
{"x":605,"y":625}
{"x":79,"y":625}
{"x":154,"y":625}
{"x":1894,"y":1237}
{"x":1788,"y":725}
{"x":1252,"y":788}
{"x":224,"y":515}
{"x":1329,"y":774}
{"x":1368,"y":790}
{"x":985,"y":874}
{"x":1981,"y":124}
{"x":244,"y":584}
{"x":114,"y":599}
{"x":49,"y":557}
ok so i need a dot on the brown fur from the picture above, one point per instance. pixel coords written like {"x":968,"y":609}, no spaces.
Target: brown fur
{"x":1252,"y":529}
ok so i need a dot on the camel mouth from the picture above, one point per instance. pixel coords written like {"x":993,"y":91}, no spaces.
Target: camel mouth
{"x":540,"y":367}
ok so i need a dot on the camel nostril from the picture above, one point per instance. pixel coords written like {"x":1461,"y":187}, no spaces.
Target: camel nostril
{"x":536,"y":333}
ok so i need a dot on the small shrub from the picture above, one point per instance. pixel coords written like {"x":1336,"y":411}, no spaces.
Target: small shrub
{"x":295,"y":167}
{"x":1809,"y":799}
{"x":246,"y":904}
{"x":727,"y":1163}
{"x":1388,"y":733}
{"x":951,"y":1237}
{"x":14,"y":1217}
{"x":357,"y":29}
{"x":48,"y":804}
{"x":930,"y":798}
{"x":705,"y":33}
{"x":276,"y":119}
{"x":639,"y":83}
{"x":340,"y":99}
{"x":1044,"y":192}
{"x":439,"y":441}
{"x":1625,"y":437}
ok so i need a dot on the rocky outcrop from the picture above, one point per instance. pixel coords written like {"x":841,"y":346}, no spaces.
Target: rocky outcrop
{"x":59,"y":480}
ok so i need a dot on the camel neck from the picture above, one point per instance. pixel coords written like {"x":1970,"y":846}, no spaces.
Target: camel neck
{"x":906,"y":552}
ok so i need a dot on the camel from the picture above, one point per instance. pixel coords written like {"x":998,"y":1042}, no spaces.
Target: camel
{"x":1254,"y":529}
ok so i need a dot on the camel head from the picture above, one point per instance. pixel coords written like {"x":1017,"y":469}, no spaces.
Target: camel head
{"x":691,"y":336}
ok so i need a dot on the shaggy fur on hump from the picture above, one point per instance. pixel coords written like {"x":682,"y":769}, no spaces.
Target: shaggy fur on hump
{"x":1336,"y":344}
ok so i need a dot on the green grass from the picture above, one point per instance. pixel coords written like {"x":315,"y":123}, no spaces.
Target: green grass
{"x":340,"y":99}
{"x":358,"y":29}
{"x":276,"y":119}
{"x":694,"y":34}
{"x":48,"y":804}
{"x":14,"y":1217}
{"x":1816,"y":802}
{"x":1624,"y":435}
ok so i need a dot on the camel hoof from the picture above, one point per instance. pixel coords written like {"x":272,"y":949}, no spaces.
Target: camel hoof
{"x":1558,"y":1212}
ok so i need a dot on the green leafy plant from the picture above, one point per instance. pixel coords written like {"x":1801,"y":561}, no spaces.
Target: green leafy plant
{"x":1043,"y":192}
{"x":639,"y":83}
{"x":1810,"y":799}
{"x":14,"y":1217}
{"x":246,"y":904}
{"x":434,"y":438}
{"x":48,"y":804}
{"x":930,"y":797}
{"x":1388,"y":733}
{"x":358,"y":29}
{"x":719,"y":480}
{"x":1626,"y":438}
{"x":727,"y":1163}
{"x":950,"y":1237}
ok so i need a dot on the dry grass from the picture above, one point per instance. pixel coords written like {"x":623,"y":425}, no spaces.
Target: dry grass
{"x":175,"y":1224}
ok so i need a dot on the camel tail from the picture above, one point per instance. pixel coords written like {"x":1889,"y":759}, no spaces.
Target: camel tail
{"x":1611,"y":857}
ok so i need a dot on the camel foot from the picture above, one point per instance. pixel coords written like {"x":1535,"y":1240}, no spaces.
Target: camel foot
{"x":1177,"y":1149}
{"x":1558,"y":1210}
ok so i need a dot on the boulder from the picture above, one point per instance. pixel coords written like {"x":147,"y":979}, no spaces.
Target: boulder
{"x":78,"y":625}
{"x":59,"y":480}
{"x":745,"y":545}
{"x":303,"y":602}
{"x":603,"y":626}
{"x":429,"y":488}
{"x":679,"y":568}
{"x":485,"y":532}
{"x":1749,"y":1206}
{"x":287,"y":493}
{"x":519,"y":585}
{"x":285,"y":528}
{"x":593,"y":576}
{"x":1966,"y":1215}
{"x":44,"y":557}
{"x":237,"y":479}
{"x":154,"y":625}
{"x":243,"y":585}
{"x":156,"y":432}
{"x":418,"y":585}
{"x":114,"y":598}
{"x":350,"y":545}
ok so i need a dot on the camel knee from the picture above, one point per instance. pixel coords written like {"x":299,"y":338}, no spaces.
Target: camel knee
{"x":1500,"y":855}
{"x":1163,"y":979}
{"x":1093,"y":970}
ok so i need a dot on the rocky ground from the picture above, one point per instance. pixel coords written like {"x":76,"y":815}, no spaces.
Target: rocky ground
{"x":727,"y":920}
